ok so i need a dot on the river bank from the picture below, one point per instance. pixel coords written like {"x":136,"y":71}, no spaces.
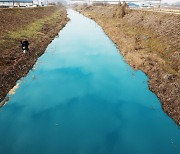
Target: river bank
{"x":149,"y":42}
{"x":83,"y":98}
{"x":39,"y":25}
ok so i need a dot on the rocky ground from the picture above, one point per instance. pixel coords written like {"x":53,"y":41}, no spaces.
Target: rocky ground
{"x":39,"y":25}
{"x":149,"y":41}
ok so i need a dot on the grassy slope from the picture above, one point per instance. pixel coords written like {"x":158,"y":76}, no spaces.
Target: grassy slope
{"x":149,"y":41}
{"x":17,"y":24}
{"x":38,"y":25}
{"x":33,"y":28}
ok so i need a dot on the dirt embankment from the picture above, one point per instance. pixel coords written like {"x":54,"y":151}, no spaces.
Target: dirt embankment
{"x":149,"y":41}
{"x":38,"y":25}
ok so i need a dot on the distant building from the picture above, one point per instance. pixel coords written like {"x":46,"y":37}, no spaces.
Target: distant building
{"x":40,"y":2}
{"x":21,"y":3}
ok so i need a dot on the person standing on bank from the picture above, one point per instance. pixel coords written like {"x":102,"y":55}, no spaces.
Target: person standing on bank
{"x":24,"y":45}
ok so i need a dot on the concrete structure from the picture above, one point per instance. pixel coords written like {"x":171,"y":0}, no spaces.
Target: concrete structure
{"x":22,"y":3}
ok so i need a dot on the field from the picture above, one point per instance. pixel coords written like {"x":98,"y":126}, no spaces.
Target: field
{"x":39,"y":25}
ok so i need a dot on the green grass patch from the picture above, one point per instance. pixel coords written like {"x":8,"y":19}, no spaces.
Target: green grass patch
{"x":29,"y":31}
{"x":32,"y":29}
{"x":2,"y":41}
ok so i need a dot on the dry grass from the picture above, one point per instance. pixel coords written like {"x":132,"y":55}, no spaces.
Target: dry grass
{"x":139,"y":40}
{"x":148,"y":41}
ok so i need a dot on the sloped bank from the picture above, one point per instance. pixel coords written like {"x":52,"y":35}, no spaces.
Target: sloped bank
{"x":39,"y":26}
{"x":148,"y":41}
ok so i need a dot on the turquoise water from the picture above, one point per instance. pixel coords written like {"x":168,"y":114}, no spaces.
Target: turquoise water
{"x":83,"y":98}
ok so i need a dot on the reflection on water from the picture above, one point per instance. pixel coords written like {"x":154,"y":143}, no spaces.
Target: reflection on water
{"x":84,"y":99}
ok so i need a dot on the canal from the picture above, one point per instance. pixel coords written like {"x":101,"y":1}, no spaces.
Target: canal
{"x":81,"y":97}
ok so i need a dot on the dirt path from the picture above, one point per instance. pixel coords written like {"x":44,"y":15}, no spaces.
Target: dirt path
{"x":168,"y":11}
{"x":38,"y":25}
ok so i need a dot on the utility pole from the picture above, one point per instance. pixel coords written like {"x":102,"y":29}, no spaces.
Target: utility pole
{"x":159,"y":4}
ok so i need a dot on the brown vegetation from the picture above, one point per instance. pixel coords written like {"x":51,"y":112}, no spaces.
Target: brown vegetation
{"x":38,"y":25}
{"x":149,"y":41}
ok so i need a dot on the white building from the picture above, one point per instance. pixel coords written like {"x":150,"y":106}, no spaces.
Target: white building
{"x":22,"y":3}
{"x":40,"y":2}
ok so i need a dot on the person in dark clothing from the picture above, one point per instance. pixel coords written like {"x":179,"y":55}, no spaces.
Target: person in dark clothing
{"x":24,"y":45}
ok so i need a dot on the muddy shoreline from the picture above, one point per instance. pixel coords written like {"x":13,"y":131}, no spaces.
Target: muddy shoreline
{"x":164,"y":83}
{"x":19,"y":64}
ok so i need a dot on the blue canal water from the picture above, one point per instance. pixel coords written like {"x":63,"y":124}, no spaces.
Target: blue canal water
{"x":83,"y":98}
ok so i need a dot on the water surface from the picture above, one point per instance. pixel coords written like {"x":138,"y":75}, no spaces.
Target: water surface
{"x":83,"y":98}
